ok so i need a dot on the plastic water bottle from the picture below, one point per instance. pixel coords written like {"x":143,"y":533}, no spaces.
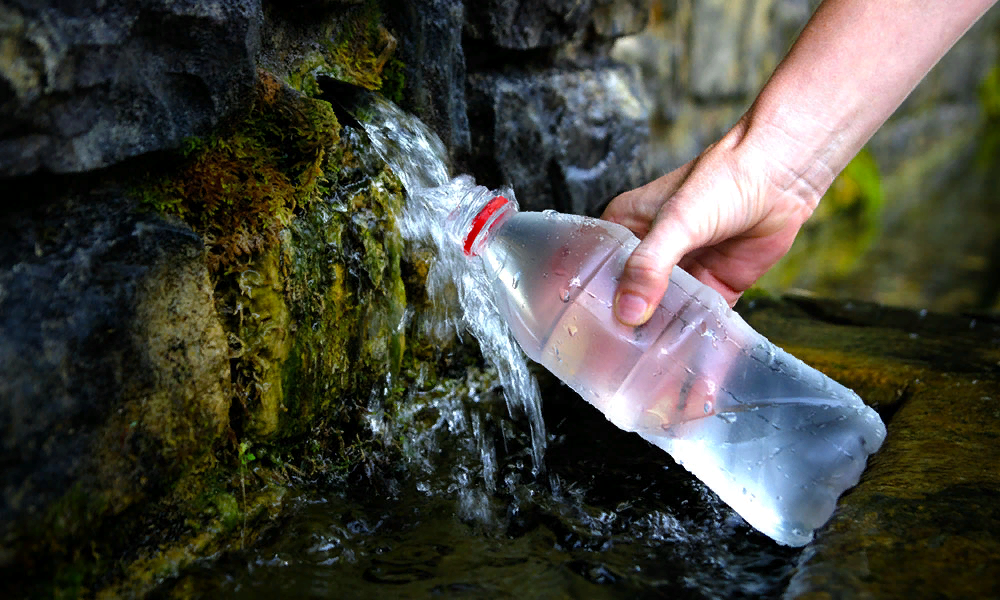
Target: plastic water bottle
{"x":776,"y":439}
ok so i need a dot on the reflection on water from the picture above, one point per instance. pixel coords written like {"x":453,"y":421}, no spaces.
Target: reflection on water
{"x":613,"y":518}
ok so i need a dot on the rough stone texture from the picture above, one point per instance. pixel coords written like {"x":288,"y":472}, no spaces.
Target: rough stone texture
{"x":84,"y":87}
{"x":924,"y":519}
{"x":565,"y":139}
{"x":114,"y":370}
{"x":431,"y":48}
{"x":524,"y":24}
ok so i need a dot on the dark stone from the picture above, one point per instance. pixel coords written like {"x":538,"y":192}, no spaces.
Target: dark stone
{"x":564,"y":139}
{"x":524,"y":24}
{"x":83,"y":87}
{"x":114,"y":370}
{"x":431,"y":48}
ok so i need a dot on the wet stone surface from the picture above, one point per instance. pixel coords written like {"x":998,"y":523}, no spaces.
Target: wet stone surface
{"x":925,"y":515}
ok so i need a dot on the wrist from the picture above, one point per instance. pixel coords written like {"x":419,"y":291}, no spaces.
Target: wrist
{"x":794,"y":153}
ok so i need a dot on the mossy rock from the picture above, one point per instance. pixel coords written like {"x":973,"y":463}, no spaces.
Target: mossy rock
{"x":316,"y":320}
{"x":349,"y":42}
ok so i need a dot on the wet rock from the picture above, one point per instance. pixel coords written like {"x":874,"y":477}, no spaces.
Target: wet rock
{"x":924,"y":518}
{"x":114,"y":370}
{"x":84,"y":87}
{"x":565,"y":139}
{"x":317,"y":320}
{"x":431,"y":49}
{"x":525,"y":24}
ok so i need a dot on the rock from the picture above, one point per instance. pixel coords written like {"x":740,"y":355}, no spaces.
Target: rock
{"x":114,"y":370}
{"x":617,"y":18}
{"x":725,"y":46}
{"x":924,"y":518}
{"x":431,"y":49}
{"x":524,"y":24}
{"x":82,"y":87}
{"x":565,"y":139}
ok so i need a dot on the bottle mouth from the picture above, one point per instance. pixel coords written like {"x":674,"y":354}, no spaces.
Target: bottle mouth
{"x":480,"y":221}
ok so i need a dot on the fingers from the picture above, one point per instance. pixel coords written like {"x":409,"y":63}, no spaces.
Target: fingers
{"x":637,"y":209}
{"x":647,"y":271}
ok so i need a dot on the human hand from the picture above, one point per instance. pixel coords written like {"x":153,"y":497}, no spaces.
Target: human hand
{"x":725,"y":217}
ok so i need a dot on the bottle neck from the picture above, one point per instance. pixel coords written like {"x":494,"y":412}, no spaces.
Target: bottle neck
{"x":485,"y":220}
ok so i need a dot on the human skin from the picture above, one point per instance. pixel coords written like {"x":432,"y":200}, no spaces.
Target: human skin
{"x":729,"y":214}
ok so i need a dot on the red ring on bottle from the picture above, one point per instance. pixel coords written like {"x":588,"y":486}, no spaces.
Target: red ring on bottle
{"x":480,"y":221}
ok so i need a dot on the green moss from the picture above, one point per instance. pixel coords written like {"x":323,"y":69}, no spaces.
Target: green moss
{"x":394,"y":80}
{"x":357,"y":49}
{"x":229,"y":511}
{"x":239,"y":188}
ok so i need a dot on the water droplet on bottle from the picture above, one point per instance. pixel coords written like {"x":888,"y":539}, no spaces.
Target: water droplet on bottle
{"x":571,"y":330}
{"x":744,"y":491}
{"x":517,"y":280}
{"x":702,"y":328}
{"x":564,"y":295}
{"x":708,"y":407}
{"x":728,"y":417}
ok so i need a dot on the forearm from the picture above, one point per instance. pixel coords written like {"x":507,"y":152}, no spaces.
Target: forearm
{"x":852,"y":66}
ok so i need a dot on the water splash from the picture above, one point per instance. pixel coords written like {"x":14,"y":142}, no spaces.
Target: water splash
{"x":434,"y":200}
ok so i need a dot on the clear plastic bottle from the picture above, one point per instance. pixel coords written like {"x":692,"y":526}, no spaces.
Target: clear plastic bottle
{"x":776,"y":439}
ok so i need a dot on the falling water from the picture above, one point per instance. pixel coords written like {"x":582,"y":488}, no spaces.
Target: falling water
{"x":418,"y":158}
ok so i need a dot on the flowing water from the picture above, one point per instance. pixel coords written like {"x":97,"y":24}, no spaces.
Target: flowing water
{"x":490,"y":502}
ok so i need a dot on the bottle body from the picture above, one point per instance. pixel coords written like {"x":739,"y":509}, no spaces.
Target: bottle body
{"x":775,"y":439}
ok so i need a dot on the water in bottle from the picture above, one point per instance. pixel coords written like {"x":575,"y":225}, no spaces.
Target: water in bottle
{"x":776,"y":439}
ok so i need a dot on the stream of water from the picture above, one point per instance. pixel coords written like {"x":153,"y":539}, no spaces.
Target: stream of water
{"x":456,"y":285}
{"x":491,"y":503}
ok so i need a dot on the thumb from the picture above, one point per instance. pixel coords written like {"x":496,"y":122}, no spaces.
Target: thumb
{"x":647,"y":270}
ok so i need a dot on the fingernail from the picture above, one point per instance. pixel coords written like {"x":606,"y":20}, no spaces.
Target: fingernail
{"x":631,"y":309}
